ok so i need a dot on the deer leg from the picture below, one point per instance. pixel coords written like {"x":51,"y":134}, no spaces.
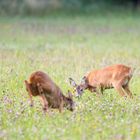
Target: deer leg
{"x":61,"y":105}
{"x":101,"y":90}
{"x":127,"y":90}
{"x":29,"y":92}
{"x":43,"y":98}
{"x":31,"y":100}
{"x":30,"y":97}
{"x":95,"y":90}
{"x":119,"y":88}
{"x":44,"y":102}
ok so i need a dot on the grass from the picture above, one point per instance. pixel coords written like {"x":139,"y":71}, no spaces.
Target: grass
{"x":68,"y":46}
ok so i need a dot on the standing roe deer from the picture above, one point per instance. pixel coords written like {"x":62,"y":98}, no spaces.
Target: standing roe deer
{"x":40,"y":84}
{"x":116,"y":76}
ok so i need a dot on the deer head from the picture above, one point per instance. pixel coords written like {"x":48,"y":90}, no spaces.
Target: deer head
{"x":79,"y":89}
{"x":69,"y":103}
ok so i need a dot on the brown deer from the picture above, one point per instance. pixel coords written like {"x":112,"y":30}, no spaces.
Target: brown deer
{"x":116,"y":76}
{"x":40,"y":84}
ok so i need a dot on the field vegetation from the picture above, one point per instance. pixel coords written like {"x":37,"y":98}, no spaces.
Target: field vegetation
{"x":68,"y":46}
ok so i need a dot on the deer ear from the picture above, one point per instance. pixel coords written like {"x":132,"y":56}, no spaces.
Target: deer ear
{"x":72,"y":82}
{"x":70,"y":94}
{"x":83,"y":81}
{"x":26,"y":82}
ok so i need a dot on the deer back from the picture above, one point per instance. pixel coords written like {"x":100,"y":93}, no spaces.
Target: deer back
{"x":109,"y":75}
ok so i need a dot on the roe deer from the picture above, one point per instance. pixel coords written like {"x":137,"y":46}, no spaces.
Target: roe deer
{"x":40,"y":84}
{"x":116,"y":76}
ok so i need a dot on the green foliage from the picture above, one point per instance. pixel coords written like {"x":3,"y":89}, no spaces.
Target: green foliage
{"x":68,"y":46}
{"x":13,"y":7}
{"x":42,"y":7}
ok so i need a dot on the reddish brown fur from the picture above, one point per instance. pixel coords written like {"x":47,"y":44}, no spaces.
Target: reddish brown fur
{"x":116,"y":76}
{"x":40,"y":84}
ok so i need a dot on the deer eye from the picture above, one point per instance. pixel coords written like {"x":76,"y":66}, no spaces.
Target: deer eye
{"x":81,"y":89}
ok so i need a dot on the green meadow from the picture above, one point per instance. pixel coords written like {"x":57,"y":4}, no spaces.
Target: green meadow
{"x":68,"y":46}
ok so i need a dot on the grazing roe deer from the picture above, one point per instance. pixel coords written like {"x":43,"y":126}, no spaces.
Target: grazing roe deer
{"x":40,"y":84}
{"x":115,"y":76}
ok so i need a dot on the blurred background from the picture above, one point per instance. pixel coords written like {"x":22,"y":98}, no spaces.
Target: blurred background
{"x":68,"y":38}
{"x":42,"y":7}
